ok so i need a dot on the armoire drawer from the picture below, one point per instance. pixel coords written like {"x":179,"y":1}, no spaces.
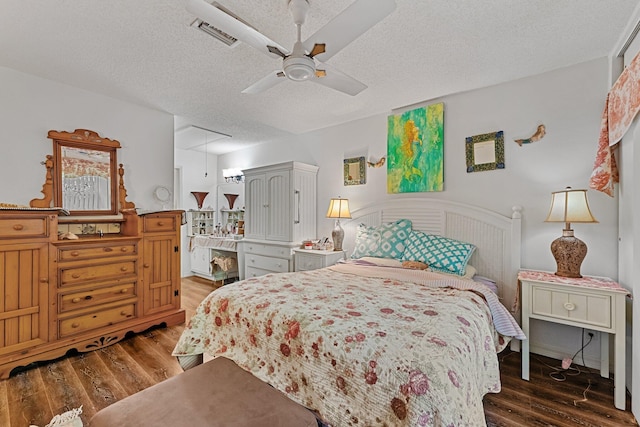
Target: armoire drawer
{"x":99,"y":251}
{"x":116,"y":270}
{"x":23,"y":227}
{"x":98,"y":319}
{"x":275,"y":265}
{"x":268,"y":250}
{"x":154,"y":225}
{"x":93,"y":297}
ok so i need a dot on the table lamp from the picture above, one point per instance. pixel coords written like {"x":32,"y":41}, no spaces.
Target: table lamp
{"x":338,"y":208}
{"x":569,"y":206}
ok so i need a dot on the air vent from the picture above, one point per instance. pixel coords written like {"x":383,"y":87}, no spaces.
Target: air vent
{"x":217,"y":33}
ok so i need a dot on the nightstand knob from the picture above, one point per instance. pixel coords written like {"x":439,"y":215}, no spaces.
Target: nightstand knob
{"x":569,"y":306}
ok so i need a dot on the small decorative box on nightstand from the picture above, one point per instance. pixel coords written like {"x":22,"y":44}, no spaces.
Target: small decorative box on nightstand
{"x":311,"y":259}
{"x":596,"y":303}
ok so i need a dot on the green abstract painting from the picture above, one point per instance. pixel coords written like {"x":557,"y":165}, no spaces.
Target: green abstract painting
{"x":415,"y":150}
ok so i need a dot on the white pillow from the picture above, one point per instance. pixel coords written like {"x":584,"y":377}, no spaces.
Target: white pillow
{"x":382,"y":262}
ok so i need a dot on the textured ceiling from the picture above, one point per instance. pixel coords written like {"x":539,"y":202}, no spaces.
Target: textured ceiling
{"x":145,"y":52}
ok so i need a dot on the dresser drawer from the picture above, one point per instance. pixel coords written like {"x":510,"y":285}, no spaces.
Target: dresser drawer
{"x":157,"y":224}
{"x":96,"y":252}
{"x":275,"y":265}
{"x":23,"y":227}
{"x":98,"y":319}
{"x":583,"y":307}
{"x":116,"y":270}
{"x":268,"y":250}
{"x":93,"y":297}
{"x":255,"y":272}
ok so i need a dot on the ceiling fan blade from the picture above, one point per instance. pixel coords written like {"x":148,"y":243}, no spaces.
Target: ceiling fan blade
{"x":318,"y":48}
{"x":336,"y":79}
{"x":269,"y":81}
{"x":219,"y":19}
{"x":277,"y":51}
{"x":354,"y":21}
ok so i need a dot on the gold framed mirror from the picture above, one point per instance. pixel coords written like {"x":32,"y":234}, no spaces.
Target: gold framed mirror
{"x":82,"y":174}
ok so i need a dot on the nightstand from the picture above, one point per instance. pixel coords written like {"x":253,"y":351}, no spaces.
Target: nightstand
{"x":311,"y":259}
{"x":590,"y":302}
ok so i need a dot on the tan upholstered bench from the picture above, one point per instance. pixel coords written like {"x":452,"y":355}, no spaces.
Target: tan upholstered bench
{"x":217,"y":393}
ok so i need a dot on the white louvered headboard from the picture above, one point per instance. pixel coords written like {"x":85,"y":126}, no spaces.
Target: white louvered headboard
{"x":497,"y":237}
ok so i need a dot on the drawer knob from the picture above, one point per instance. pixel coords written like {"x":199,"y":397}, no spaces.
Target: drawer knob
{"x":75,"y":300}
{"x":44,"y":280}
{"x":75,"y":253}
{"x":18,"y":227}
{"x":123,"y":268}
{"x":75,"y":275}
{"x":108,"y":249}
{"x":146,"y":265}
{"x":123,"y":291}
{"x":160,"y":223}
{"x":123,"y":313}
{"x":569,"y":306}
{"x":279,"y":265}
{"x":75,"y":325}
{"x":253,"y":260}
{"x":123,"y":249}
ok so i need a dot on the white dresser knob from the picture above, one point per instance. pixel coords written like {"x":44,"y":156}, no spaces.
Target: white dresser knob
{"x":569,"y":306}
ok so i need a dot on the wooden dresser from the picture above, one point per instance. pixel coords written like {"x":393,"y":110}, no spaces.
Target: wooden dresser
{"x":58,"y":295}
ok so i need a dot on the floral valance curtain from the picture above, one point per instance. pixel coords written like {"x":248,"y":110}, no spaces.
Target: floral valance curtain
{"x":621,"y":107}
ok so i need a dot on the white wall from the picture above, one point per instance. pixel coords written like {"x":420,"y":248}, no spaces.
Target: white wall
{"x":31,"y":106}
{"x":568,"y":102}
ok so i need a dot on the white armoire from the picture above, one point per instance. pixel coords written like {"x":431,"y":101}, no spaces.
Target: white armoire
{"x":280,"y":212}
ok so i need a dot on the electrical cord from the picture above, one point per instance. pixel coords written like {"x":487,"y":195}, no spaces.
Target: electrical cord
{"x":559,"y":373}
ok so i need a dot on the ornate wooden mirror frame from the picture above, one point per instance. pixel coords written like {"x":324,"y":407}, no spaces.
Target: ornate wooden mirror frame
{"x":82,"y":175}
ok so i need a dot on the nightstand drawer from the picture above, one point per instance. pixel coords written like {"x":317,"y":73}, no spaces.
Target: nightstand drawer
{"x":308,"y":262}
{"x":584,"y":307}
{"x":268,"y":250}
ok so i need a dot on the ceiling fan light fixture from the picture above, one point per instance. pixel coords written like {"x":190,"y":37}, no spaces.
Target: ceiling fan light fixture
{"x":299,"y":68}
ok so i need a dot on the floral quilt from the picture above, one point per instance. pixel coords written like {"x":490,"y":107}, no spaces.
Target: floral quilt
{"x":357,"y":349}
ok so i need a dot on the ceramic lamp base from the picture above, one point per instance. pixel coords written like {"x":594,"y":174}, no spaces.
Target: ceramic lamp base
{"x":569,"y":252}
{"x":338,"y":236}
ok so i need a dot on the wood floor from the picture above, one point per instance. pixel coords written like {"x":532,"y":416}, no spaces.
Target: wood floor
{"x":100,"y":378}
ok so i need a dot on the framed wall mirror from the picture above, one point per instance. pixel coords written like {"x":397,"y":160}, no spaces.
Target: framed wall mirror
{"x":355,"y":171}
{"x":85,"y":173}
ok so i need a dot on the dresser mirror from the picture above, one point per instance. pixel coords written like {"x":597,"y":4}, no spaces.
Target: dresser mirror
{"x":82,"y":175}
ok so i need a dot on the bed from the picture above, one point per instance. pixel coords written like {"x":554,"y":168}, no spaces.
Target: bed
{"x":369,"y":342}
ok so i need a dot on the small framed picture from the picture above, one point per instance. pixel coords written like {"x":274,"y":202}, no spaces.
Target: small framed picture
{"x":485,"y":152}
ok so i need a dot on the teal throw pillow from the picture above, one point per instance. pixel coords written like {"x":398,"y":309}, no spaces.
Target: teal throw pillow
{"x":384,"y":241}
{"x":440,"y":253}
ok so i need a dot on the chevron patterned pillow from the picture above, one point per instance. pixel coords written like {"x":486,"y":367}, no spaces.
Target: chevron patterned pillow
{"x":441,"y":253}
{"x":384,"y":241}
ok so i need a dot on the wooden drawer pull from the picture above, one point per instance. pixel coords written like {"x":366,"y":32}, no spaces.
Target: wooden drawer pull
{"x":75,"y":300}
{"x":124,"y":291}
{"x":146,"y":266}
{"x":123,"y":268}
{"x":569,"y":306}
{"x":108,"y":249}
{"x":75,"y":275}
{"x":44,"y":280}
{"x":18,"y":227}
{"x":160,"y":223}
{"x":75,"y":325}
{"x":75,"y":253}
{"x":123,"y":313}
{"x":123,"y":249}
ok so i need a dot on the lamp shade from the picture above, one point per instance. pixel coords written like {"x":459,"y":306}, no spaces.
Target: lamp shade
{"x":569,"y":206}
{"x":339,"y":208}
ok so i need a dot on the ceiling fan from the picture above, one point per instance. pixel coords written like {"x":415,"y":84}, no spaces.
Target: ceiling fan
{"x":306,"y":61}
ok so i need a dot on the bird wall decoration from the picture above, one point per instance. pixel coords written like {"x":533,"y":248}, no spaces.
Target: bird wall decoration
{"x":537,"y":136}
{"x":377,"y":164}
